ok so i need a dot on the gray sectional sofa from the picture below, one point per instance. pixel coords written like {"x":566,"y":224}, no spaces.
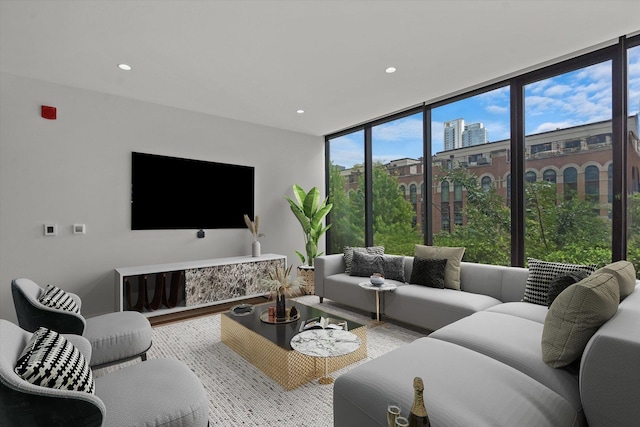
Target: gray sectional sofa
{"x":483,"y":363}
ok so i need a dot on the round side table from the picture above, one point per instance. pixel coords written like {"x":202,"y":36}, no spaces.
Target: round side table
{"x":325,"y":343}
{"x":378,"y":288}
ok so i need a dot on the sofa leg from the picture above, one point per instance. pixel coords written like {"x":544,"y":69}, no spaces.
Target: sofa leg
{"x":321,"y":299}
{"x":143,"y":356}
{"x":374,"y":316}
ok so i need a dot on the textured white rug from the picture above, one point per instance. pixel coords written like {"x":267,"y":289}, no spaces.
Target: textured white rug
{"x":239,"y":393}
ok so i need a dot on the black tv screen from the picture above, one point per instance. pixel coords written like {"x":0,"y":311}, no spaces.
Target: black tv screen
{"x":175,"y":193}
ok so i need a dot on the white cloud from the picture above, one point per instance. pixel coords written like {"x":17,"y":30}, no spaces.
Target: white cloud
{"x":497,"y":109}
{"x":398,"y":130}
{"x":557,"y":90}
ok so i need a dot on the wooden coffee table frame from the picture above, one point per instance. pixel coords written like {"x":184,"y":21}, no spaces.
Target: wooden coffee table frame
{"x":285,"y":366}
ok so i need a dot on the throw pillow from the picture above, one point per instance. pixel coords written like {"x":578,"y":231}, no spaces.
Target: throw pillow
{"x":55,"y":297}
{"x":429,"y":272}
{"x":49,"y":360}
{"x":541,"y":273}
{"x":393,"y":266}
{"x":348,"y":254}
{"x":365,"y":265}
{"x":454,"y":257}
{"x":625,"y":273}
{"x":562,"y":282}
{"x":575,"y":315}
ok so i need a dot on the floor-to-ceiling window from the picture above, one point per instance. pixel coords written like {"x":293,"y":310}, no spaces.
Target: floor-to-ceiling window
{"x":470,"y":160}
{"x":545,"y":165}
{"x":397,"y":155}
{"x":568,"y":127}
{"x":346,"y":191}
{"x":633,"y":156}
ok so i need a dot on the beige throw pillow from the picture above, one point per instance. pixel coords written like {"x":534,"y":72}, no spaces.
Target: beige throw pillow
{"x":453,"y":257}
{"x":575,"y":315}
{"x":625,"y":273}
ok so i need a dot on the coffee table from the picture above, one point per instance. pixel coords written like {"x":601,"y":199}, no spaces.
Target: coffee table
{"x":268,"y":346}
{"x":325,"y":343}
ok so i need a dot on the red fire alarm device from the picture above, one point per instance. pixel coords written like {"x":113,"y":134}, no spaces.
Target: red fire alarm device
{"x":48,"y":112}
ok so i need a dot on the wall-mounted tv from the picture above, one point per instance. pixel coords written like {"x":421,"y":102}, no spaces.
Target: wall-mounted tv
{"x":176,"y":193}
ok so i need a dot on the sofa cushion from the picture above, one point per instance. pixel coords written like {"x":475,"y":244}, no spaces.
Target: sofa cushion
{"x":514,"y":341}
{"x":55,"y":297}
{"x":428,"y":272}
{"x":534,"y":312}
{"x":49,"y":360}
{"x":348,"y":254}
{"x":541,"y":273}
{"x":462,"y":388}
{"x":625,"y":273}
{"x":575,"y":315}
{"x":452,"y":255}
{"x":562,"y":282}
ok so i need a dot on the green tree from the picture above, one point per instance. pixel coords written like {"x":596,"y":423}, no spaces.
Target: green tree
{"x":347,"y":220}
{"x":393,"y":216}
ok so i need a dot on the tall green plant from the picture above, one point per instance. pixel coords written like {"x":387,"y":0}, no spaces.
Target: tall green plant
{"x":310,"y":213}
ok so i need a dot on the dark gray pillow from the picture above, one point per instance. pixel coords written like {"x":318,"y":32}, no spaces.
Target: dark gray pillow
{"x":364,"y":265}
{"x":393,"y":266}
{"x":348,"y":254}
{"x":562,"y":282}
{"x":428,"y":272}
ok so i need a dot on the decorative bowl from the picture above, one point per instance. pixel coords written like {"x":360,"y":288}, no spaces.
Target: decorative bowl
{"x":376,"y":280}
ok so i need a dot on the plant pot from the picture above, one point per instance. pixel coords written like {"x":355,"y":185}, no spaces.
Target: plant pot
{"x":307,"y":273}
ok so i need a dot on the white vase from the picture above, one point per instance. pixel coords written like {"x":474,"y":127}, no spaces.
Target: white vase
{"x":255,"y":248}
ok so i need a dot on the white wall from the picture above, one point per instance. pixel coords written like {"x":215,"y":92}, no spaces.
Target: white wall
{"x":77,"y":169}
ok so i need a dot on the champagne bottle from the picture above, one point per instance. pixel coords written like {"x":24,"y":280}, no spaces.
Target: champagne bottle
{"x":418,"y":416}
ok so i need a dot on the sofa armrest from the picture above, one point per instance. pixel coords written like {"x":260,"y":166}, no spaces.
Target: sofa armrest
{"x":81,"y":343}
{"x":326,"y":266}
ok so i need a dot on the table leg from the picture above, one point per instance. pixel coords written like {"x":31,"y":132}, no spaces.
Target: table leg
{"x":378,"y":305}
{"x":326,"y":379}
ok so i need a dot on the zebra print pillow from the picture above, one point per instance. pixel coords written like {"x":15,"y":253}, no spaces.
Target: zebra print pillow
{"x":49,"y":360}
{"x":55,"y":297}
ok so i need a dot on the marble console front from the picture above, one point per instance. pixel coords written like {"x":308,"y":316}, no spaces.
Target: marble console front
{"x":206,"y":282}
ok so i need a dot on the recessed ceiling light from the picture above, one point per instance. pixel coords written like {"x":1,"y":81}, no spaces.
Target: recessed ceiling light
{"x":300,"y":111}
{"x":124,"y":67}
{"x":390,"y":70}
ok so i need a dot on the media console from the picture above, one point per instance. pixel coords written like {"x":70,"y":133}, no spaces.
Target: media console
{"x":165,"y":288}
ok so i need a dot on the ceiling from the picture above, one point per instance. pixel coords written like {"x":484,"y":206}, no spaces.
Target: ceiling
{"x":260,"y":61}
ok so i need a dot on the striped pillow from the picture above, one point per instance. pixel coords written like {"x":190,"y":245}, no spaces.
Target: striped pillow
{"x":49,"y":360}
{"x":55,"y":297}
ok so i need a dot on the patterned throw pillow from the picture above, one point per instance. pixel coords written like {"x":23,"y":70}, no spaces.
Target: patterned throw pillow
{"x":364,"y":265}
{"x":562,"y":282}
{"x":454,"y":255}
{"x":393,"y":266}
{"x":428,"y":272}
{"x":49,"y":360}
{"x":55,"y":297}
{"x":575,"y":316}
{"x":541,"y":273}
{"x":348,"y":254}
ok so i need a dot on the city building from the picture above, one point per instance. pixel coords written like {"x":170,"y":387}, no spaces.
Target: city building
{"x":576,"y":159}
{"x":474,"y":134}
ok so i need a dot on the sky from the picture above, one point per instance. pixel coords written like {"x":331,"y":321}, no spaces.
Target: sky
{"x":575,"y":98}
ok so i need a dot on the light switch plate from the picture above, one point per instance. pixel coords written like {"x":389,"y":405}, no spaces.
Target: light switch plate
{"x":79,"y":229}
{"x":50,"y":229}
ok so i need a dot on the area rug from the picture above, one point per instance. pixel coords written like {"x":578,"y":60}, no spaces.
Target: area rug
{"x":239,"y":393}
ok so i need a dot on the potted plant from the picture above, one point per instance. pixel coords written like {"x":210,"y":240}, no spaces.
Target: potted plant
{"x":253,"y":227}
{"x":310,"y":213}
{"x":280,"y":283}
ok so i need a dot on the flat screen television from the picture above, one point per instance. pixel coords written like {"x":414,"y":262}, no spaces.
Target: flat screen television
{"x":175,"y":193}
